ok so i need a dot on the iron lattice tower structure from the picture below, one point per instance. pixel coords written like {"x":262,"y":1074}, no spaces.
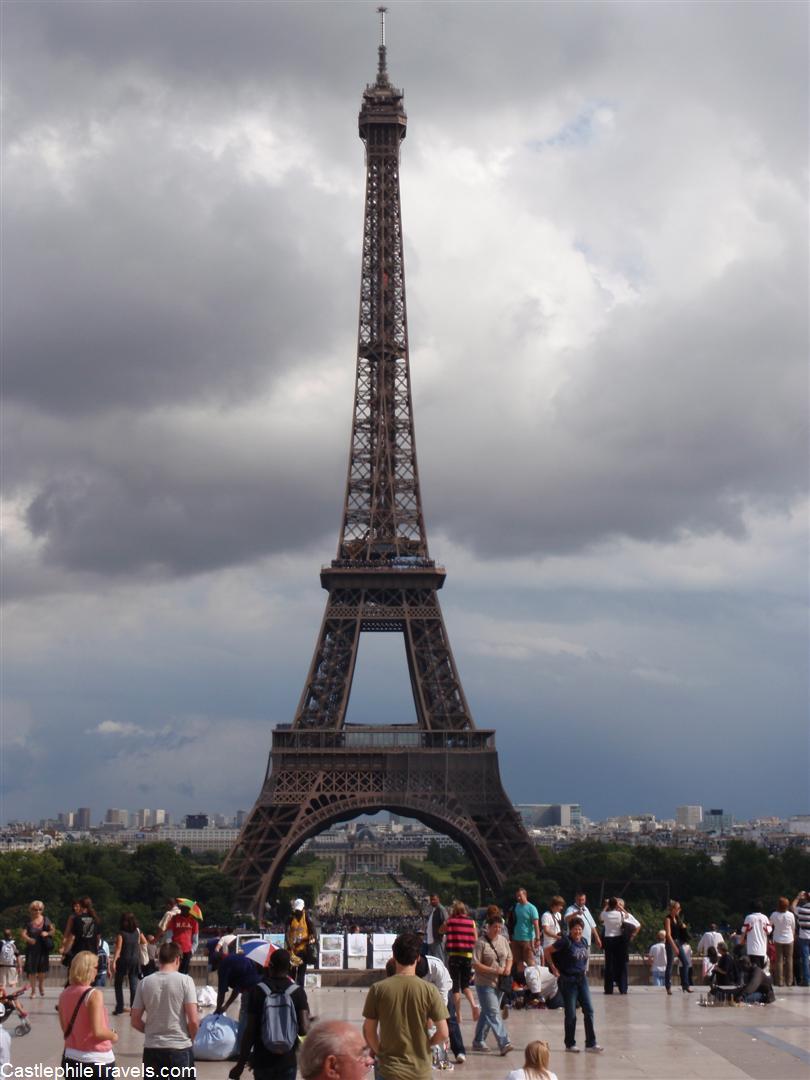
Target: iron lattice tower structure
{"x":441,"y":770}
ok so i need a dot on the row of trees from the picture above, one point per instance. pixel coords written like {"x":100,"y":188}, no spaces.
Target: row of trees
{"x":647,"y":877}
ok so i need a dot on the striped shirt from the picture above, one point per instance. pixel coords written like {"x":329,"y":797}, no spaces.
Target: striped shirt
{"x":803,"y":919}
{"x":460,"y":936}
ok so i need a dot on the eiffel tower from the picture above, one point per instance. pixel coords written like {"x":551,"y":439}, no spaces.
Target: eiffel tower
{"x":441,"y":770}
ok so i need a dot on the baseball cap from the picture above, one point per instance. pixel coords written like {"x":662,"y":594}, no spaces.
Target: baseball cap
{"x":298,"y":905}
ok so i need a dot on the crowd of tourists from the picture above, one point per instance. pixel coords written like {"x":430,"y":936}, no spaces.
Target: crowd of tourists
{"x":520,"y":958}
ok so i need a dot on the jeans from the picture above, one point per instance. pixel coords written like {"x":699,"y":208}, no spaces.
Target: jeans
{"x":456,"y":1041}
{"x":170,"y":1060}
{"x":489,"y":999}
{"x":574,"y":989}
{"x":658,"y":977}
{"x":615,"y":964}
{"x":185,"y":960}
{"x":130,"y":972}
{"x":686,"y":967}
{"x":804,"y":952}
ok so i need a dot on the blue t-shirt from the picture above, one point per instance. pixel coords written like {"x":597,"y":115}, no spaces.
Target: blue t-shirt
{"x":525,"y":916}
{"x":239,"y":972}
{"x":571,"y":957}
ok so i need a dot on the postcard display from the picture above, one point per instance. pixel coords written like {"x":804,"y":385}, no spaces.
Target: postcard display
{"x":357,"y":951}
{"x":331,"y":951}
{"x":381,"y":945}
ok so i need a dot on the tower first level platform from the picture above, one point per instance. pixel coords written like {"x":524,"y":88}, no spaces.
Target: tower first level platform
{"x":449,"y":780}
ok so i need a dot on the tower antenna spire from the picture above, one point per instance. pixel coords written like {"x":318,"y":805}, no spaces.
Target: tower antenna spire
{"x":382,"y":72}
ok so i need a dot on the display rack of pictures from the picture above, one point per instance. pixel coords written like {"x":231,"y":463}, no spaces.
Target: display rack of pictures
{"x":331,"y":951}
{"x":381,"y":945}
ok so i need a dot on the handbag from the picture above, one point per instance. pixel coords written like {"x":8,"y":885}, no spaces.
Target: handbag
{"x":504,"y":984}
{"x":311,"y":952}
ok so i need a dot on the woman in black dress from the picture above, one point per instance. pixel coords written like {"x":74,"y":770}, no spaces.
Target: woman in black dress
{"x":677,"y":936}
{"x":38,"y":937}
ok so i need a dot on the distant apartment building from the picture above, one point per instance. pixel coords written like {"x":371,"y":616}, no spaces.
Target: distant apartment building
{"x":143,"y":819}
{"x":161,"y":817}
{"x":543,"y":815}
{"x":716,"y":820}
{"x":81,"y":820}
{"x":688,"y":817}
{"x":115,"y":816}
{"x":239,"y":820}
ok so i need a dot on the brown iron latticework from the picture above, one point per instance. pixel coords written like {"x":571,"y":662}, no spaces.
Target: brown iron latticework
{"x":441,"y":770}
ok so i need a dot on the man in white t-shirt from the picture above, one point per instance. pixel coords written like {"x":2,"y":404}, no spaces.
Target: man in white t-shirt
{"x":710,"y":940}
{"x":165,"y":1010}
{"x":580,"y":909}
{"x":755,"y":932}
{"x":657,"y":959}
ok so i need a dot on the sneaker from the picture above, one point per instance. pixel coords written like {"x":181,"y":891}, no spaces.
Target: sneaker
{"x":506,"y":1048}
{"x":596,"y":1049}
{"x":480,"y":1048}
{"x":460,"y":1059}
{"x":572,"y":1049}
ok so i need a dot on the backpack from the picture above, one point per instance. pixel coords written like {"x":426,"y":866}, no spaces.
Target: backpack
{"x":7,"y":953}
{"x":279,"y":1019}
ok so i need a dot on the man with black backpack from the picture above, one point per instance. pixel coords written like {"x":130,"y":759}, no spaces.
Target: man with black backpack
{"x":277,"y":1015}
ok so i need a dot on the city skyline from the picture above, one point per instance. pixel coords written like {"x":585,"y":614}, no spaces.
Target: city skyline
{"x":605,"y":226}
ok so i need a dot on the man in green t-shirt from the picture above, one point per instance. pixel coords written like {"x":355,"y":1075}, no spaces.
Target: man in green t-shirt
{"x":525,"y":931}
{"x":398,"y":1011}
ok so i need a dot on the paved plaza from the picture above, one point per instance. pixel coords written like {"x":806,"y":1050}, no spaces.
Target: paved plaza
{"x":647,"y":1036}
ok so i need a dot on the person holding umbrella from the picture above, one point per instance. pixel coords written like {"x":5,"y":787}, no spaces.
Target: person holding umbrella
{"x":184,"y":931}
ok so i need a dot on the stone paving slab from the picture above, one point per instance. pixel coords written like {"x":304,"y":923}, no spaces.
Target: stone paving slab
{"x":646,"y":1035}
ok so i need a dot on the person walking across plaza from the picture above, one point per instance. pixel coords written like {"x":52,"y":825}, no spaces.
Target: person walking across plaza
{"x":783,"y":922}
{"x":126,"y":961}
{"x":461,"y":935}
{"x":568,"y":959}
{"x":491,"y":960}
{"x":677,"y":935}
{"x":165,"y":1012}
{"x":184,"y":930}
{"x":89,"y":1039}
{"x":267,"y":1063}
{"x":397,"y":1012}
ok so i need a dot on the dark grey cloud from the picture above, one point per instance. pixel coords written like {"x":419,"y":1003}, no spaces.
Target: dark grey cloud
{"x":606,"y":230}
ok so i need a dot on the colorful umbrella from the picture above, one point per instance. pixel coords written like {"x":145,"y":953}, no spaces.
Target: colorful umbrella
{"x":192,"y":907}
{"x":259,"y":951}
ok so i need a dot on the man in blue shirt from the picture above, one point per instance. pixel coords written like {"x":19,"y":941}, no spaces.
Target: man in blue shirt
{"x":239,"y":974}
{"x":568,"y":959}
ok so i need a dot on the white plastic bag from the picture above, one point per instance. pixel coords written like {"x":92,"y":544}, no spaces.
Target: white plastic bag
{"x":216,"y":1038}
{"x":206,"y":997}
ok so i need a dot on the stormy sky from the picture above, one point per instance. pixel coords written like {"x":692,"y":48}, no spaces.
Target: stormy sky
{"x":606,"y":257}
